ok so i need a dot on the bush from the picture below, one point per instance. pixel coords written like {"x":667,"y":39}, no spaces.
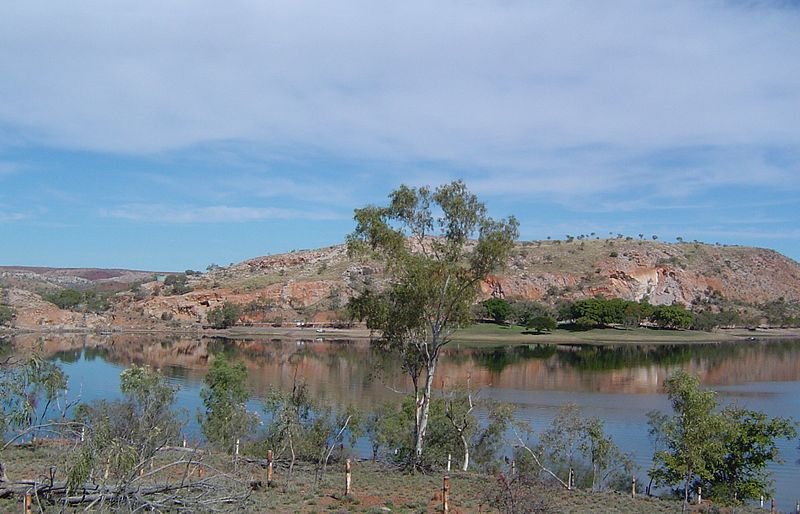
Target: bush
{"x":225,"y":315}
{"x":6,"y":314}
{"x":123,"y":435}
{"x":73,"y":299}
{"x":498,"y":309}
{"x":541,"y":324}
{"x":224,"y":396}
{"x":65,"y":299}
{"x":177,"y":284}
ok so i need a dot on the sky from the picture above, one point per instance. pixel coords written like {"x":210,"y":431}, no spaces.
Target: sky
{"x":172,"y":135}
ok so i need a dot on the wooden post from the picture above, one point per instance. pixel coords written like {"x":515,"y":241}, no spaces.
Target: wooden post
{"x":762,"y":501}
{"x":633,"y":487}
{"x":449,"y":459}
{"x":27,"y":504}
{"x":348,"y":476}
{"x":699,"y":495}
{"x":569,"y":479}
{"x":269,"y":468}
{"x":184,"y":442}
{"x":446,"y":494}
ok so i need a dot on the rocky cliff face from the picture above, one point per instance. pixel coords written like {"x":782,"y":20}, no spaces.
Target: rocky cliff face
{"x":315,"y":284}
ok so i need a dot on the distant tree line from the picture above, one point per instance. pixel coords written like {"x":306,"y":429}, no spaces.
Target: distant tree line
{"x":592,"y":313}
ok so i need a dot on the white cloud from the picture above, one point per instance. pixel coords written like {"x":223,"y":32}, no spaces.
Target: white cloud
{"x":159,"y":213}
{"x":505,"y":90}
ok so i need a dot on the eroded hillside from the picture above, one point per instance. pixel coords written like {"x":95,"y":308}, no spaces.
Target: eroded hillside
{"x":314,"y":285}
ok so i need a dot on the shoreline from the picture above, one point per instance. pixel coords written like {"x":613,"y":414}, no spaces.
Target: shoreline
{"x":477,"y":335}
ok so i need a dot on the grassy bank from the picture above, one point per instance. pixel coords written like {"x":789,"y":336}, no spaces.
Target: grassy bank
{"x":492,"y":334}
{"x":376,"y":488}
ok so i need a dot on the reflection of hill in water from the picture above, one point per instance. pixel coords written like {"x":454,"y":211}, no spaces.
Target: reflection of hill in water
{"x":345,"y":371}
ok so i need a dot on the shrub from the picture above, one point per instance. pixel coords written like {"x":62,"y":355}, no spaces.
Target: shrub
{"x":177,"y":284}
{"x":224,"y":396}
{"x":225,"y":315}
{"x":6,"y":314}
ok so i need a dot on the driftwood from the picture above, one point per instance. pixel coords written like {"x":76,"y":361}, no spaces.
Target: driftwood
{"x":212,"y":487}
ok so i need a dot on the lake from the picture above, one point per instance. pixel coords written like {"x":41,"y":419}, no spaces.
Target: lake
{"x":620,"y":385}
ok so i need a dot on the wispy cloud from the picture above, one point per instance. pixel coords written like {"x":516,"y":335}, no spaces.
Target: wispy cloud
{"x":7,"y":168}
{"x":8,"y":217}
{"x":159,"y":213}
{"x":488,"y":87}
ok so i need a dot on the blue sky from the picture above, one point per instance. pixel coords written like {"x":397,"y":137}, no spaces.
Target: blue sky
{"x":173,"y":135}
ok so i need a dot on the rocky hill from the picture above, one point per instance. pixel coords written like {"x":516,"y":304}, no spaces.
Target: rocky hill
{"x":313,"y":285}
{"x":47,"y":279}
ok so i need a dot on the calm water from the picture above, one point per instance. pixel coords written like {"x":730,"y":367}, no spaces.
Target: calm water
{"x":618,"y":385}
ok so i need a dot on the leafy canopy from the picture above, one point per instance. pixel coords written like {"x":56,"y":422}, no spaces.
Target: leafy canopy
{"x":723,"y":451}
{"x":224,"y":396}
{"x":437,"y":246}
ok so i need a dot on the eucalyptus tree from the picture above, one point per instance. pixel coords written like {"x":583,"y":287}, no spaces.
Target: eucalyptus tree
{"x":723,"y":451}
{"x":437,"y":247}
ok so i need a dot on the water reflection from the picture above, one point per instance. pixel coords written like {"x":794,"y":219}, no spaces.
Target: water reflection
{"x":346,"y":371}
{"x":619,"y":384}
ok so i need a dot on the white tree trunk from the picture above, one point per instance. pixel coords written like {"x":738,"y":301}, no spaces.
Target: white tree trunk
{"x":424,"y":408}
{"x":464,"y":441}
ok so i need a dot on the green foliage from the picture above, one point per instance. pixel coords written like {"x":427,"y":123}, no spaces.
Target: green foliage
{"x":225,"y":418}
{"x":66,"y":298}
{"x":524,"y":312}
{"x":452,"y":424}
{"x":71,"y":299}
{"x":782,"y":313}
{"x":724,"y":452}
{"x":387,"y":428}
{"x":27,"y":390}
{"x":602,"y":312}
{"x":672,"y":316}
{"x":574,"y":442}
{"x":437,"y":247}
{"x":498,"y":309}
{"x":541,"y":324}
{"x":7,"y":314}
{"x":178,"y":284}
{"x":299,"y":428}
{"x":393,"y":432}
{"x":689,"y":448}
{"x":489,"y":439}
{"x":121,"y":436}
{"x":748,"y":438}
{"x":708,"y":320}
{"x":225,"y":315}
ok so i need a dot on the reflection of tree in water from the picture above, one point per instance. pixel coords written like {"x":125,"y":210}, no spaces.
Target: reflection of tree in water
{"x":610,"y":357}
{"x":91,"y":353}
{"x":599,"y":358}
{"x":497,"y":359}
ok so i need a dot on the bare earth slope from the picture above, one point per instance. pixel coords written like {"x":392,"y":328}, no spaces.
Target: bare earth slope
{"x":313,"y":284}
